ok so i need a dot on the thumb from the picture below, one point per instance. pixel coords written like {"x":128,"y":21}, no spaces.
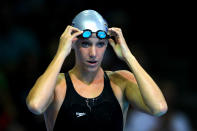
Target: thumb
{"x":112,"y":43}
{"x":76,"y":34}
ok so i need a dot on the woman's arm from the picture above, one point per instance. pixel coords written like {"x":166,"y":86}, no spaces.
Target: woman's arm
{"x":144,"y":94}
{"x":42,"y":93}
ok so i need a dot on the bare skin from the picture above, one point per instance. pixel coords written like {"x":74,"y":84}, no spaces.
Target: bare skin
{"x":137,"y":88}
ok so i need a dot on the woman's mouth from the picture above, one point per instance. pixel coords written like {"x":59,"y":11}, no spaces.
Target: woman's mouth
{"x":92,"y":63}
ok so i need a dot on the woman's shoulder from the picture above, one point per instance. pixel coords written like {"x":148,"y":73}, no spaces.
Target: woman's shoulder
{"x":124,"y":75}
{"x":60,"y":77}
{"x":60,"y":84}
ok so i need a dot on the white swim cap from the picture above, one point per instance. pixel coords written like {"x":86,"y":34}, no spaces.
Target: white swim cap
{"x":90,"y":19}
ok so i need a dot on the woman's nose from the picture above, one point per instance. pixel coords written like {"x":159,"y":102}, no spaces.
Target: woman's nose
{"x":92,"y":52}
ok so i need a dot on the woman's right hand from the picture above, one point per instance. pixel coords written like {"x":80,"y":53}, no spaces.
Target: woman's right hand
{"x":67,"y":39}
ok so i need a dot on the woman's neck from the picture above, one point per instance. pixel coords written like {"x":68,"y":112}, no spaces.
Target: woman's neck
{"x":87,"y":77}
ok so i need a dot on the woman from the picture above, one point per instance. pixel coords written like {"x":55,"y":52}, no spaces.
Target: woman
{"x":86,"y":98}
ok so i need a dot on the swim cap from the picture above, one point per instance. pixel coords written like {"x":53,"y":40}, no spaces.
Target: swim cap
{"x":90,"y":19}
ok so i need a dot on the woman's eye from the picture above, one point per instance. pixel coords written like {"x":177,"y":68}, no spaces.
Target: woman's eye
{"x":85,"y":44}
{"x":100,"y":44}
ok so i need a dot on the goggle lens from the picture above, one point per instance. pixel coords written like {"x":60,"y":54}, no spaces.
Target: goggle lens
{"x":86,"y":34}
{"x":101,"y":34}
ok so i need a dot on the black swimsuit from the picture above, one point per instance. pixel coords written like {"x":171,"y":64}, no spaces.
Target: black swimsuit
{"x":77,"y":113}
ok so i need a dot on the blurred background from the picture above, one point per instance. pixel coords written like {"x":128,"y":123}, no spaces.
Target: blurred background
{"x":159,"y":34}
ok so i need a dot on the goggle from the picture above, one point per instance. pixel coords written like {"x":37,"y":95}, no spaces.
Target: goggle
{"x":100,"y":34}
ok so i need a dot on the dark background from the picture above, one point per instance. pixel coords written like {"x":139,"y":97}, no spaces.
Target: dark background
{"x":159,"y":34}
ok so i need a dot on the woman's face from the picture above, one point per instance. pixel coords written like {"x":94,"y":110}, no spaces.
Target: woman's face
{"x":89,"y":52}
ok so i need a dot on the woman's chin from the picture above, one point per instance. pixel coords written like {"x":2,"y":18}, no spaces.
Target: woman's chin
{"x":92,"y":68}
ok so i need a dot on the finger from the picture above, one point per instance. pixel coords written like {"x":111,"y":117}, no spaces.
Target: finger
{"x":118,"y":31}
{"x":112,"y":43}
{"x":66,"y":30}
{"x":112,"y":32}
{"x":73,"y":30}
{"x":115,"y":29}
{"x":76,"y":34}
{"x":69,"y":31}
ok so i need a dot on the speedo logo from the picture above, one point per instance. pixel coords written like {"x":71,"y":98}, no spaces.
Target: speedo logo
{"x":79,"y":114}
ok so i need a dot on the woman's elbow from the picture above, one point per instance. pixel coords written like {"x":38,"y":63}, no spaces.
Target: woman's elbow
{"x":34,"y":108}
{"x":161,"y":111}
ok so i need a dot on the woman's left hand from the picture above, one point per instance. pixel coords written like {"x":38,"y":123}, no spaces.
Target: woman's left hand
{"x":119,"y":44}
